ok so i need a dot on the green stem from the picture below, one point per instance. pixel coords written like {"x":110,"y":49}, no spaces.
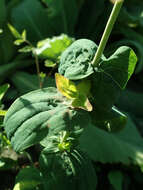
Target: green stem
{"x":109,"y":26}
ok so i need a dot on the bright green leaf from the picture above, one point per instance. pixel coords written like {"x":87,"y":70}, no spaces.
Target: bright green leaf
{"x":2,"y":112}
{"x":51,"y":48}
{"x":23,"y":35}
{"x":18,"y":42}
{"x":15,"y":33}
{"x":66,"y":87}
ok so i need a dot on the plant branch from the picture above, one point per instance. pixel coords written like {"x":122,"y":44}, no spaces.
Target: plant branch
{"x":109,"y":26}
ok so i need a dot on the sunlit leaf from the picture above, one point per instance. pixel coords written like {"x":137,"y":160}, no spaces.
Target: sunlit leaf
{"x":66,"y":87}
{"x":15,"y":33}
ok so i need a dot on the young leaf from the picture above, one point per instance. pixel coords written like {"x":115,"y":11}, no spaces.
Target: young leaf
{"x":77,"y":93}
{"x":23,"y":35}
{"x":15,"y":33}
{"x":66,"y":87}
{"x":18,"y":42}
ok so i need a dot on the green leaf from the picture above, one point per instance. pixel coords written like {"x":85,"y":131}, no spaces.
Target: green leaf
{"x":38,"y":114}
{"x":132,"y":102}
{"x":126,"y":145}
{"x":28,"y":179}
{"x":49,"y":63}
{"x":111,"y":77}
{"x":3,"y":90}
{"x":23,"y":15}
{"x":2,"y":112}
{"x":66,"y":87}
{"x":75,"y":62}
{"x":77,"y":93}
{"x":67,"y":171}
{"x":25,"y":82}
{"x":18,"y":42}
{"x":51,"y":48}
{"x":7,"y":164}
{"x":112,"y":121}
{"x":26,"y":49}
{"x":23,"y":35}
{"x":116,"y":179}
{"x":2,"y":12}
{"x":120,"y":66}
{"x":61,"y":15}
{"x":15,"y":33}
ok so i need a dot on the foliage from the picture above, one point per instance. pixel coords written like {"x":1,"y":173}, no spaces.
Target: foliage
{"x":73,"y":121}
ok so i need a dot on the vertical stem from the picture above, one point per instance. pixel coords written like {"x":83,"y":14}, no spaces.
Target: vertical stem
{"x":38,"y":69}
{"x":37,"y":64}
{"x":109,"y":26}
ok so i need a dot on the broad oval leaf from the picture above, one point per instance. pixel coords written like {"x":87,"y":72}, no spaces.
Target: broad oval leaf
{"x":76,"y":60}
{"x":37,"y":114}
{"x":62,"y":171}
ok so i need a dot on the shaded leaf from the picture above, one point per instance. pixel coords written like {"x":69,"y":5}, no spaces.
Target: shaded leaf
{"x":25,"y":82}
{"x":28,"y":179}
{"x":116,"y":179}
{"x":112,"y":121}
{"x":127,"y":147}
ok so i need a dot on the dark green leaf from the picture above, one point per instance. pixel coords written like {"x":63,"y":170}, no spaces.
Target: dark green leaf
{"x":2,"y":12}
{"x":76,"y":60}
{"x":112,"y":121}
{"x":120,"y":66}
{"x":61,"y":15}
{"x":25,"y":82}
{"x":28,"y":179}
{"x":116,"y":179}
{"x":32,"y":15}
{"x":126,"y":145}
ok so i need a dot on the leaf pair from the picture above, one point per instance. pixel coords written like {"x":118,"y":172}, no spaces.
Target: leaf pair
{"x":77,"y":93}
